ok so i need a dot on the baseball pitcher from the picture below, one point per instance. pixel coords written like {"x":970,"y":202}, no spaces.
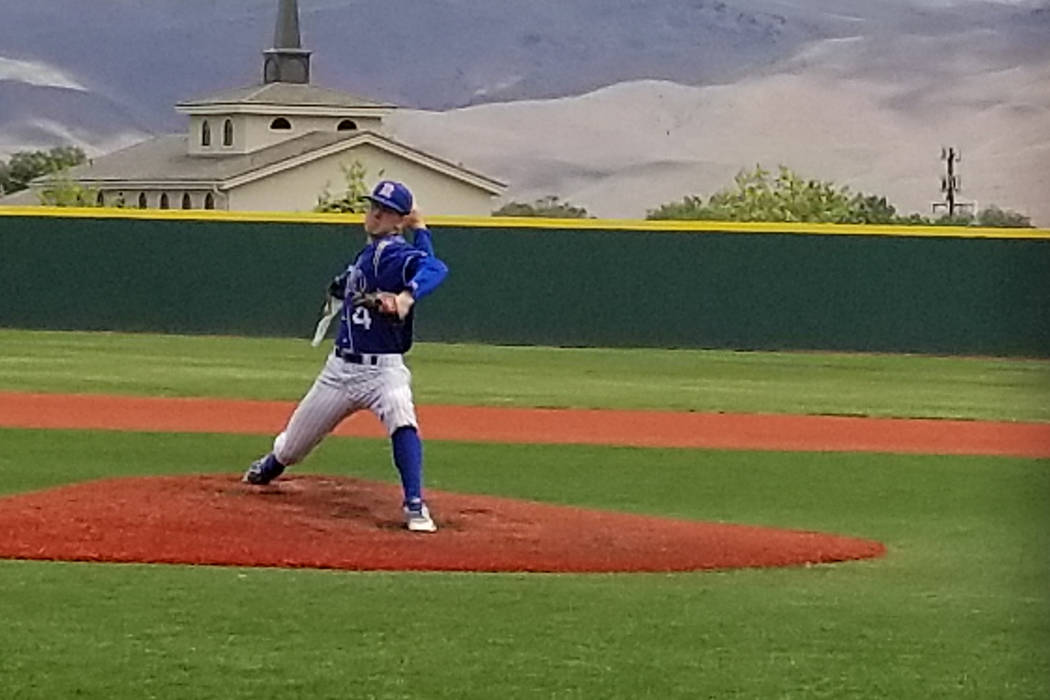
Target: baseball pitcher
{"x":366,"y":368}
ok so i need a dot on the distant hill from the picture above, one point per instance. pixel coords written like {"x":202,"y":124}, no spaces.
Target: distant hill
{"x":908,"y":73}
{"x":452,"y":52}
{"x":148,"y":55}
{"x":40,"y":116}
{"x":631,"y":147}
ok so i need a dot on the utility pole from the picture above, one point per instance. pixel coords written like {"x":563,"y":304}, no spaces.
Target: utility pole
{"x":951,"y":183}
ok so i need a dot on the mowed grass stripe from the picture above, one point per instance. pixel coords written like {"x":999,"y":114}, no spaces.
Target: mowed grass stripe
{"x":957,"y":609}
{"x":679,"y":380}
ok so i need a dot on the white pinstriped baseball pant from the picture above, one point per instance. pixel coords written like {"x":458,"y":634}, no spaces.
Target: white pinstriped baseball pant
{"x":341,"y":389}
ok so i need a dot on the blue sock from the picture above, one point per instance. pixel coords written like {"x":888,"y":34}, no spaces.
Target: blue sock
{"x":271,"y":464}
{"x":408,"y":458}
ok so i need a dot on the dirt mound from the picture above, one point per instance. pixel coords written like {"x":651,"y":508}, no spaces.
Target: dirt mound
{"x":341,"y":523}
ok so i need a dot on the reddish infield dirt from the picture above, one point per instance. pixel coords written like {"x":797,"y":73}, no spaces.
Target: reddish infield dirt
{"x":325,"y":522}
{"x":340,"y":523}
{"x":489,"y":424}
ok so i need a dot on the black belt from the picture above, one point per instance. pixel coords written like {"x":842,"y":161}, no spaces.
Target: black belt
{"x":357,"y":358}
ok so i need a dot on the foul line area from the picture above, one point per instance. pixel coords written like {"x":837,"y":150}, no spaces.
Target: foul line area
{"x":552,"y":426}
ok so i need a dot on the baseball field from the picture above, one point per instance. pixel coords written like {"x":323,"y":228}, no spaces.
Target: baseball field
{"x":958,"y":606}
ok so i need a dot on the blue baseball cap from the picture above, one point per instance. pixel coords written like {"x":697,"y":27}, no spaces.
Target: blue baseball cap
{"x":392,"y":195}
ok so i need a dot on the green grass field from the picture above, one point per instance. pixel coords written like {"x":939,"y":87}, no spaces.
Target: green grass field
{"x":680,"y":380}
{"x":960,"y":607}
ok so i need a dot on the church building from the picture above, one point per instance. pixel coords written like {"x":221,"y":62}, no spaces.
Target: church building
{"x":277,"y":146}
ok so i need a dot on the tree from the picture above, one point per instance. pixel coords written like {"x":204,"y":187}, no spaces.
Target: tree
{"x":689,"y":209}
{"x":960,"y":219}
{"x":758,"y":196}
{"x":990,"y":217}
{"x":63,"y":191}
{"x":994,"y":217}
{"x":872,"y":209}
{"x":912,"y":219}
{"x":550,"y":206}
{"x":25,"y":166}
{"x":352,"y":199}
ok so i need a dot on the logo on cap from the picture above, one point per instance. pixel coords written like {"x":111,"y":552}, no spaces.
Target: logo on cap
{"x":392,"y":195}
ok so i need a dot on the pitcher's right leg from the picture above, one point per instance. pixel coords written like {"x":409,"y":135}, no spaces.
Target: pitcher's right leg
{"x":324,"y":406}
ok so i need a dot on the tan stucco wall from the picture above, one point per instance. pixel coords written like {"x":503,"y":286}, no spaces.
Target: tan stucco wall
{"x":258,"y":133}
{"x":298,"y":189}
{"x":252,"y":132}
{"x":130,"y":198}
{"x":216,"y":121}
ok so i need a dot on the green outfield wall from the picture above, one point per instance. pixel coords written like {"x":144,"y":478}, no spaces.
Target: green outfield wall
{"x":592,"y":283}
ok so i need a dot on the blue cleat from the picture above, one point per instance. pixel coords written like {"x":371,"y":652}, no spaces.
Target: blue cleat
{"x":263,"y":471}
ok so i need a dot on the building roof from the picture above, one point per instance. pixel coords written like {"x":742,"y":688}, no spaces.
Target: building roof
{"x":26,"y":197}
{"x":165,"y":160}
{"x":285,"y":94}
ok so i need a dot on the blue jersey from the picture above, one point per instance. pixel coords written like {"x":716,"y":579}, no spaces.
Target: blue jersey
{"x":387,"y":264}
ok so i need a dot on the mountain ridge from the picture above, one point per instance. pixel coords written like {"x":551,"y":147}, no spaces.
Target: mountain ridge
{"x":914,"y":74}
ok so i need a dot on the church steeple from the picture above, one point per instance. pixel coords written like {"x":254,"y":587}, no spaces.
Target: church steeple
{"x":286,"y":62}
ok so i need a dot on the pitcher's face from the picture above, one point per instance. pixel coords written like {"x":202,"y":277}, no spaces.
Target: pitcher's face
{"x":381,"y":221}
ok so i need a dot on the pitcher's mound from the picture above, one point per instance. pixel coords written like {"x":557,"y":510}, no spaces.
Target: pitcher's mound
{"x":341,"y":523}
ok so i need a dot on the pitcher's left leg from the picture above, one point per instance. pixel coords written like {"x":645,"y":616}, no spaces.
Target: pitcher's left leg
{"x":394,"y":406}
{"x":408,"y":458}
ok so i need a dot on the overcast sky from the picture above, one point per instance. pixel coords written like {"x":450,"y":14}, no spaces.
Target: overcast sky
{"x":947,"y":3}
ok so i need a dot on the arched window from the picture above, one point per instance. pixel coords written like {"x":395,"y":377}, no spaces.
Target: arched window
{"x":205,"y":133}
{"x":186,"y":203}
{"x":347,"y":125}
{"x":227,"y":133}
{"x":142,"y":200}
{"x":100,"y":200}
{"x":164,"y":200}
{"x":209,"y":201}
{"x":280,"y":124}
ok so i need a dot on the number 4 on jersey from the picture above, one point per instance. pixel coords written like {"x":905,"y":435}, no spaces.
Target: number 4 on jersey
{"x":361,"y":317}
